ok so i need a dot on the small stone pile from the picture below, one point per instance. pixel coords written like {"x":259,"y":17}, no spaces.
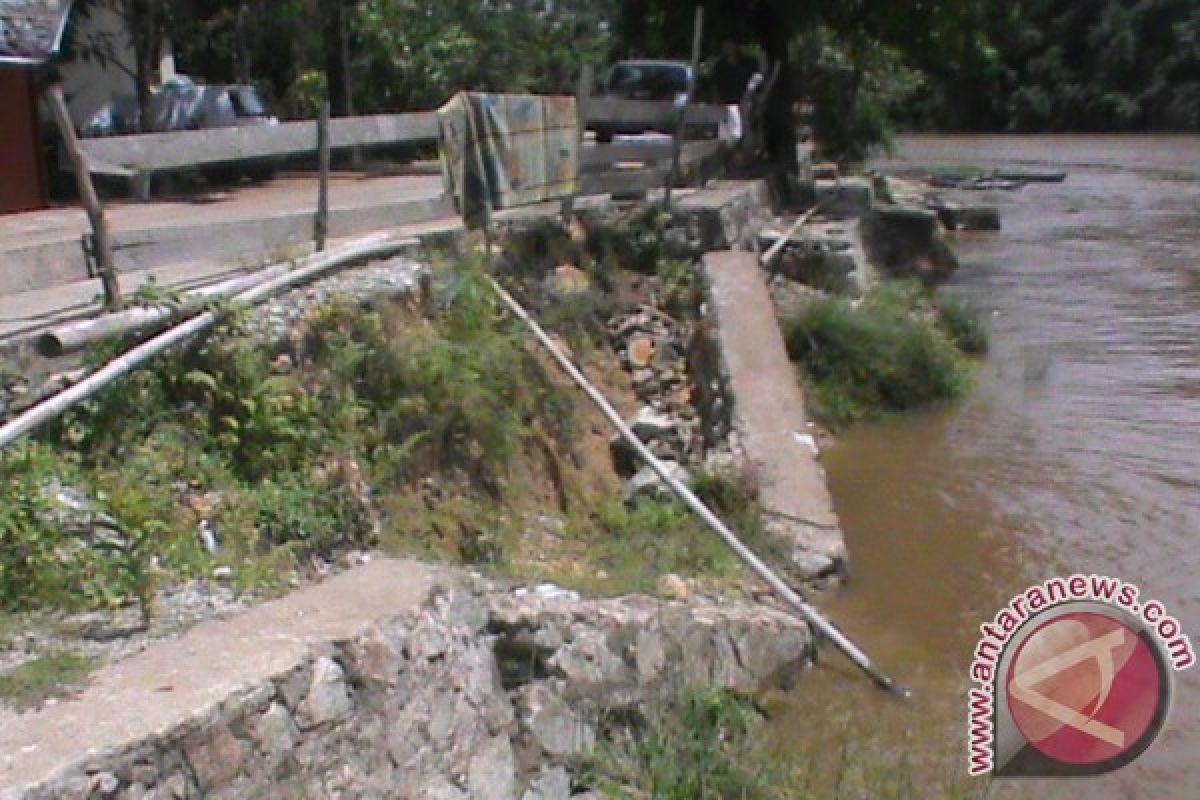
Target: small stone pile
{"x":276,"y":320}
{"x":653,"y":348}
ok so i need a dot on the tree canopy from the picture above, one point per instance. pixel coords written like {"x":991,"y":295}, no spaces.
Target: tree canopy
{"x":866,"y":65}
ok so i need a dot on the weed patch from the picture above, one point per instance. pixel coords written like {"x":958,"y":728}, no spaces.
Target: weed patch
{"x":50,"y":675}
{"x":699,"y":746}
{"x":892,"y":352}
{"x":961,"y":322}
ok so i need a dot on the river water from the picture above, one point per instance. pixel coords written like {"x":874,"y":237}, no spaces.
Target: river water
{"x":1078,"y":451}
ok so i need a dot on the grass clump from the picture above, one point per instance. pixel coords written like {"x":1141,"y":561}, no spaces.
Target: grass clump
{"x":960,"y":321}
{"x":625,"y":546}
{"x":701,"y":745}
{"x":635,"y":544}
{"x":53,"y":674}
{"x":893,"y":351}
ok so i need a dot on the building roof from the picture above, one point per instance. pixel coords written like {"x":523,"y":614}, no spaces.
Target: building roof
{"x":31,"y":31}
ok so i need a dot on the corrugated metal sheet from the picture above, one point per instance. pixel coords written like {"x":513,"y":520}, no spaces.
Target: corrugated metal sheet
{"x":512,"y":149}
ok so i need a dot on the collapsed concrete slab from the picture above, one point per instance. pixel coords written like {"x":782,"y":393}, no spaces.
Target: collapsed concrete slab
{"x":769,"y":414}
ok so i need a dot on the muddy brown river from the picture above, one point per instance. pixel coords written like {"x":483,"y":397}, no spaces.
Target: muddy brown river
{"x":1078,"y":451}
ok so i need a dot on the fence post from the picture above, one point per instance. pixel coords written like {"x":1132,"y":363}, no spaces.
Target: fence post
{"x":681,"y":127}
{"x":321,"y":225}
{"x":87,"y":195}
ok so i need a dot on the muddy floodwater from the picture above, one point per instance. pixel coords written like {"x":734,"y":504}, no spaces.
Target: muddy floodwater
{"x":1079,"y":451}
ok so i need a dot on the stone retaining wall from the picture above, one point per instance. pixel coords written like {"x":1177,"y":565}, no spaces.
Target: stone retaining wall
{"x":477,"y":693}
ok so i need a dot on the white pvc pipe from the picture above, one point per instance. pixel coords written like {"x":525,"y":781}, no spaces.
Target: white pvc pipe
{"x":810,"y":614}
{"x":377,"y":246}
{"x":72,"y":336}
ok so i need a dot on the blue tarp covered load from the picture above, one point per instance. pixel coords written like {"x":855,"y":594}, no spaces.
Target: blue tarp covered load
{"x":31,"y":30}
{"x":513,"y":150}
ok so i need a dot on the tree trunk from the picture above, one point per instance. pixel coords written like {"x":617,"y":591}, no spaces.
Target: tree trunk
{"x":144,"y":21}
{"x":243,"y":49}
{"x":779,"y":124}
{"x":337,"y":73}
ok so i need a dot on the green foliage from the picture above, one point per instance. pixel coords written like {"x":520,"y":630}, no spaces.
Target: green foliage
{"x":46,"y":563}
{"x":682,"y":285}
{"x":698,"y":746}
{"x":857,"y":86}
{"x":961,"y":322}
{"x":633,"y":241}
{"x":294,"y":509}
{"x":305,"y":96}
{"x":53,"y":674}
{"x":886,"y":354}
{"x":285,"y":449}
{"x":415,"y":54}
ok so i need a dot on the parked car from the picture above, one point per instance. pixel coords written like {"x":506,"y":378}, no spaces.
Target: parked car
{"x":651,"y":80}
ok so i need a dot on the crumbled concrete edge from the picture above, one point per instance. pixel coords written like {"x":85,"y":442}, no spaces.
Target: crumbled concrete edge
{"x":810,"y":545}
{"x":480,"y":693}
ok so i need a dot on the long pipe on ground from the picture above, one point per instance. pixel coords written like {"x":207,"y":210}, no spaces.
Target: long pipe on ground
{"x":72,"y":336}
{"x":315,"y":266}
{"x":780,"y":243}
{"x":810,"y":614}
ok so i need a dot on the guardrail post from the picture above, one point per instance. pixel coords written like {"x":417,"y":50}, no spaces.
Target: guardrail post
{"x":87,"y":195}
{"x":681,"y":127}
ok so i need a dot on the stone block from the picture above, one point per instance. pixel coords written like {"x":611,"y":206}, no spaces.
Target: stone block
{"x":328,"y":698}
{"x":845,"y":198}
{"x":216,"y":756}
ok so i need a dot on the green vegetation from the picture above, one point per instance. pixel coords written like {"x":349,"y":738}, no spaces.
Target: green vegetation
{"x":898,"y":349}
{"x":701,"y":746}
{"x":51,"y":675}
{"x":438,"y":432}
{"x":280,"y":453}
{"x":711,"y":744}
{"x":866,"y":66}
{"x":634,"y":545}
{"x":961,"y":322}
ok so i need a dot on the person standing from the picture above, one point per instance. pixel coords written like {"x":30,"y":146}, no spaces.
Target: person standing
{"x":731,"y":76}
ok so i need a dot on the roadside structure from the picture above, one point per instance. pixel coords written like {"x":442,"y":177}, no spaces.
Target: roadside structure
{"x":30,"y":32}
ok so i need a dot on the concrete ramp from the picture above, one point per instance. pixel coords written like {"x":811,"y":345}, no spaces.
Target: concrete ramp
{"x":769,"y":413}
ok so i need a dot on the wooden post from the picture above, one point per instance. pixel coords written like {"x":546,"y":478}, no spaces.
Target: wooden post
{"x":582,"y":94}
{"x":87,"y":195}
{"x":321,"y":226}
{"x":681,"y":127}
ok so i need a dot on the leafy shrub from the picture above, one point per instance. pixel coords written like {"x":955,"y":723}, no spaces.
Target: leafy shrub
{"x":882,"y":355}
{"x":683,"y":284}
{"x":632,"y":241}
{"x":45,"y":563}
